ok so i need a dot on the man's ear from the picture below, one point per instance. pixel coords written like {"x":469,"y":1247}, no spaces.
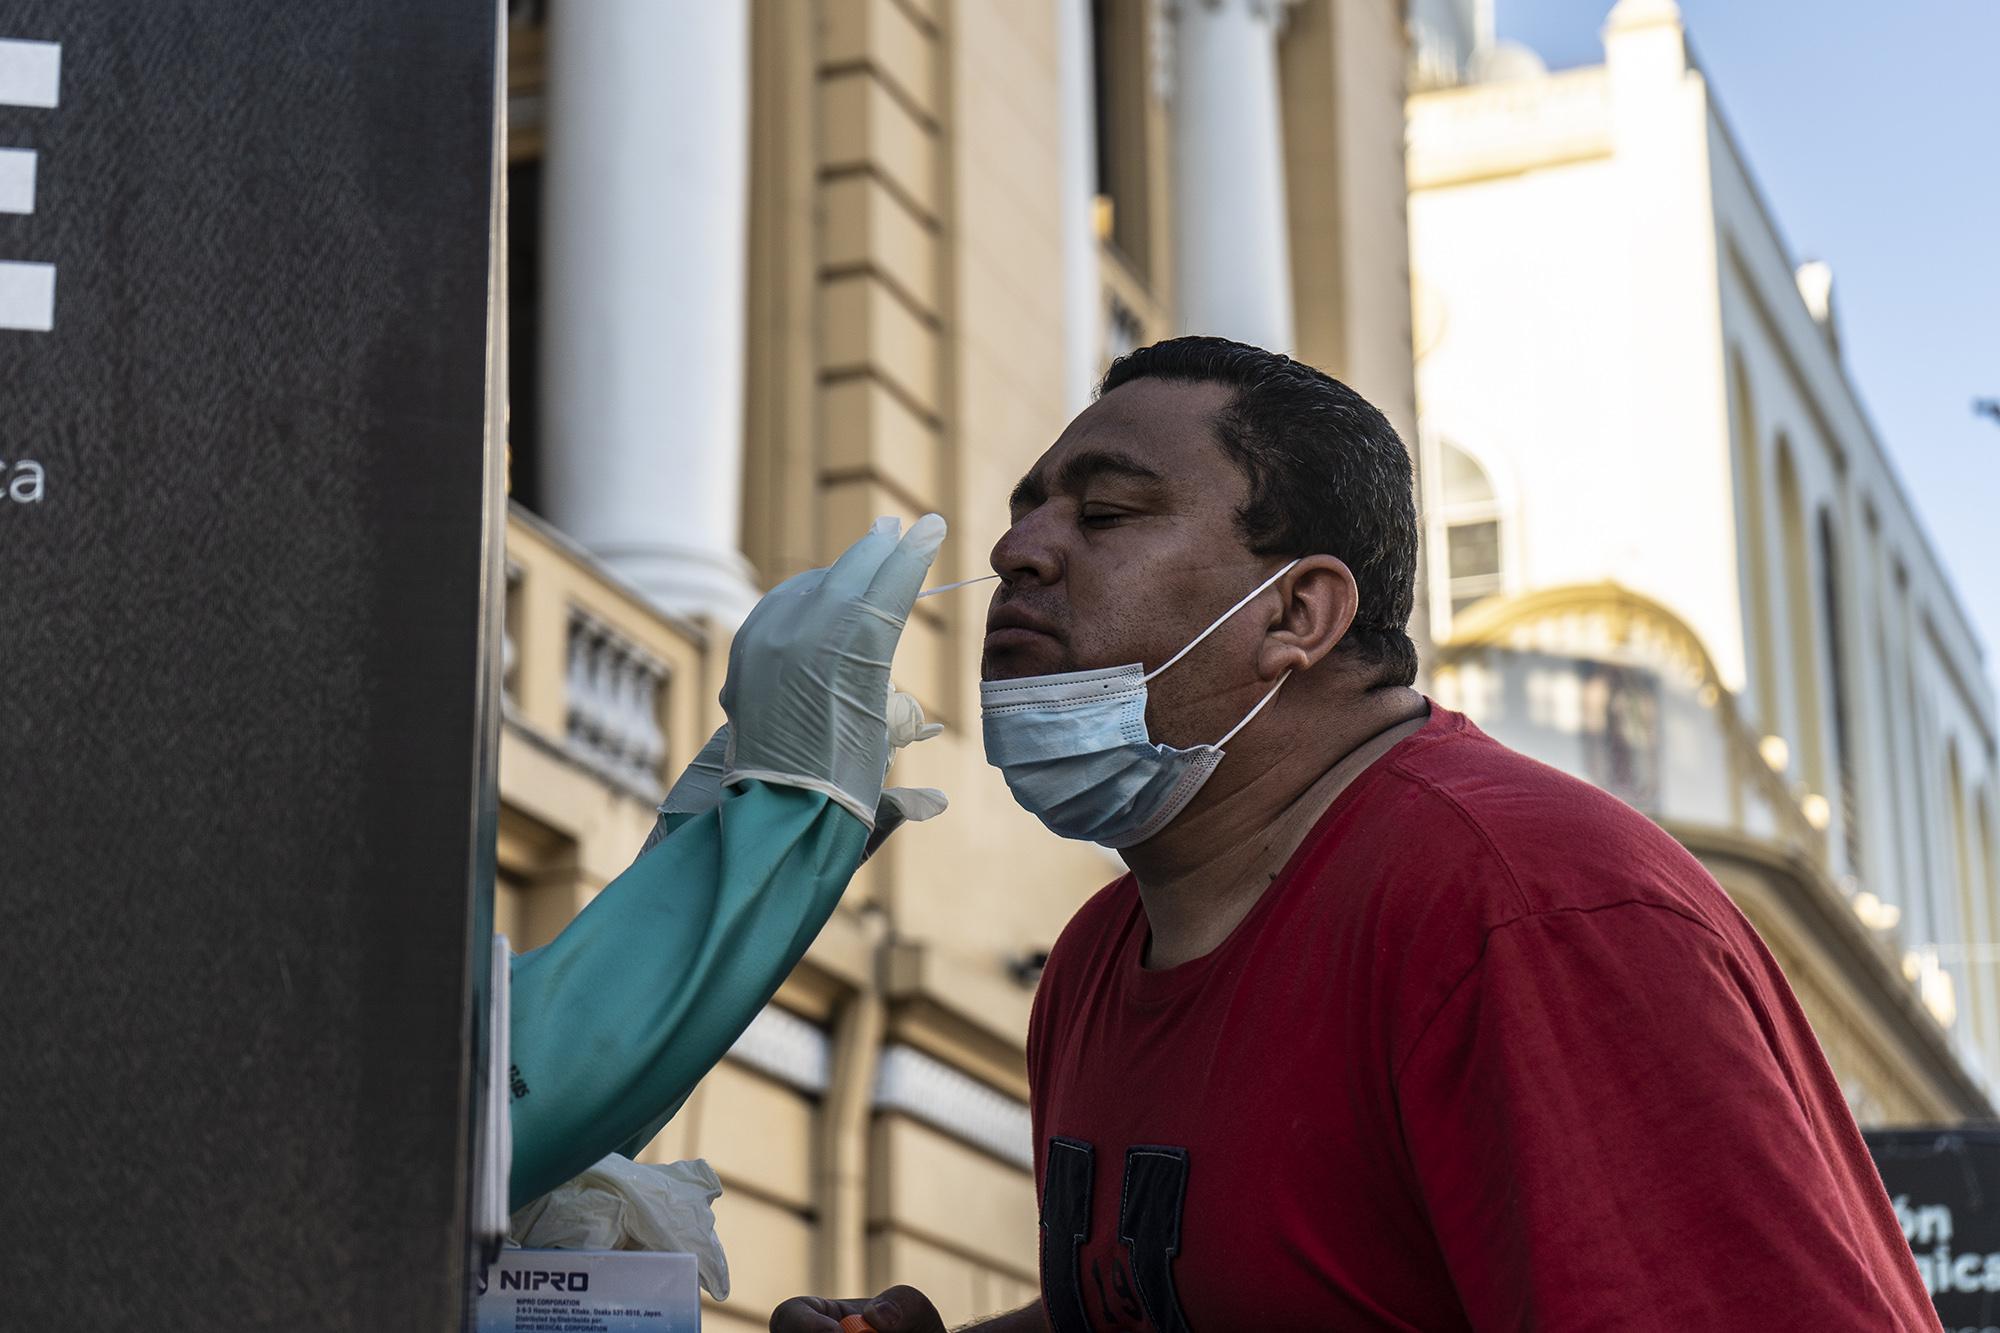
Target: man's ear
{"x":1320,"y":600}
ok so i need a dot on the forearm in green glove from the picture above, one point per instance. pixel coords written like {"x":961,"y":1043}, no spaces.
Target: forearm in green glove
{"x":699,"y":787}
{"x":616,"y":1020}
{"x":648,"y":987}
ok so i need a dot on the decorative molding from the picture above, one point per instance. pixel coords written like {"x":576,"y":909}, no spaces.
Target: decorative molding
{"x":927,"y":1089}
{"x":514,"y":723}
{"x":615,"y":690}
{"x":1607,"y":621}
{"x":1511,"y":622}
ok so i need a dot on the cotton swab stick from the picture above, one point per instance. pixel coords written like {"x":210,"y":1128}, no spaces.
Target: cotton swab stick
{"x":952,"y":587}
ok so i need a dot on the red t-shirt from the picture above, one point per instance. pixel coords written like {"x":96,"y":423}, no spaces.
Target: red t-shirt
{"x":1492,"y":1052}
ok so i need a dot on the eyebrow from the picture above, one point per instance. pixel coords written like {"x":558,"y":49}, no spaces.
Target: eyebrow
{"x":1077,"y":471}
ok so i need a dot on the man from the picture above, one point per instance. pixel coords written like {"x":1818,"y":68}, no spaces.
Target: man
{"x":1388,"y":1027}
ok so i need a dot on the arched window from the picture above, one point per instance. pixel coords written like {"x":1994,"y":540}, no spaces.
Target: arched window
{"x":1465,"y":535}
{"x":1900,"y":873}
{"x":1971,"y":916}
{"x":1756,"y":562}
{"x":1807,"y":743}
{"x":1986,"y":858}
{"x":1836,"y":671}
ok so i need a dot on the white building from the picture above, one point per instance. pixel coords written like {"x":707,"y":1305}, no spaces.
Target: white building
{"x":1668,"y":550}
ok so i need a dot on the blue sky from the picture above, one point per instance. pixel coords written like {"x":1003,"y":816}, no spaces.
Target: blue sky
{"x":1874,"y":130}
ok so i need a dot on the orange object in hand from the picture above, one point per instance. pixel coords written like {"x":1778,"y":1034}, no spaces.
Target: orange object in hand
{"x":854,"y":1323}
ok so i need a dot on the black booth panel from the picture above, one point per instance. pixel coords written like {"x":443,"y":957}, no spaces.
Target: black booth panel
{"x":1945,"y":1184}
{"x":241,"y":626}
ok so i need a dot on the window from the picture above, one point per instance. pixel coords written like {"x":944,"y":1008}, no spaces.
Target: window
{"x":527,"y":72}
{"x":1466,"y":537}
{"x":1123,"y":330}
{"x":1843,"y":747}
{"x":1808,"y":740}
{"x":1970,"y":918}
{"x":1464,"y":482}
{"x":524,"y":304}
{"x":1759,"y":621}
{"x":1119,"y":33}
{"x":1473,"y":556}
{"x":527,"y":913}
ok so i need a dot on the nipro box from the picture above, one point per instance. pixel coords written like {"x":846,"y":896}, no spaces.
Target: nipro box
{"x":590,"y":1291}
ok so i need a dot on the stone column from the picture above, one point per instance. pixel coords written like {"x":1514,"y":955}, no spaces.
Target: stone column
{"x":1232,"y":254}
{"x":646,"y":197}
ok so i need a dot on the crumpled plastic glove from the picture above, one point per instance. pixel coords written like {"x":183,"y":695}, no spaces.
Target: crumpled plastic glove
{"x":699,"y":786}
{"x":808,"y":685}
{"x":906,"y":720}
{"x":900,"y":805}
{"x":620,"y":1204}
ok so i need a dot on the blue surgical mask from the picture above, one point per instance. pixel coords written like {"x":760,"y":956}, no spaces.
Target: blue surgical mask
{"x":1075,"y":751}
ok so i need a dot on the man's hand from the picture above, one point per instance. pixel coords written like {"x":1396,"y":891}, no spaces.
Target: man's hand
{"x":897,"y":1310}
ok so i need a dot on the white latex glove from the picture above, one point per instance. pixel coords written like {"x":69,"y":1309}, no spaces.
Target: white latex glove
{"x":699,"y":787}
{"x":808,"y":682}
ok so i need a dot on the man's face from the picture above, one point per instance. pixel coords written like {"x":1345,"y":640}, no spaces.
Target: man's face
{"x":1124,"y":546}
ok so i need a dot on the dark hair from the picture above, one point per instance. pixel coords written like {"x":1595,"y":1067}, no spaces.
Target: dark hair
{"x":1328,"y":475}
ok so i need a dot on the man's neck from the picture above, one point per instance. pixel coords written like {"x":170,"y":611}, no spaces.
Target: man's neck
{"x":1201,"y":877}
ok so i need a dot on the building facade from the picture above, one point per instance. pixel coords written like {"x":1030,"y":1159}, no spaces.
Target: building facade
{"x":1669,"y":552}
{"x":780,"y":266}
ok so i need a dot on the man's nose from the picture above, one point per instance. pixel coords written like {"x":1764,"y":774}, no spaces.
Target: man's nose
{"x":1027,"y":552}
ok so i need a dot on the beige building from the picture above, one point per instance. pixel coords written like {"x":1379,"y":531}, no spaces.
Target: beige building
{"x":1669,"y":552}
{"x":779,"y":267}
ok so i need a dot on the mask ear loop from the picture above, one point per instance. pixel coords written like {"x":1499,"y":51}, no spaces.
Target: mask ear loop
{"x":1219,"y":622}
{"x":1252,"y":714}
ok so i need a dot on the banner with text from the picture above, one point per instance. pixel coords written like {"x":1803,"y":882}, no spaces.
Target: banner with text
{"x":1945,"y":1184}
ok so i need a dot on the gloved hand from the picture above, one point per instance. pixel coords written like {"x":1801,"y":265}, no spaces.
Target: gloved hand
{"x":808,"y":685}
{"x":699,"y":786}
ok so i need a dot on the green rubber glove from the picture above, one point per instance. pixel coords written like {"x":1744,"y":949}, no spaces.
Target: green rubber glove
{"x":617,"y":1019}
